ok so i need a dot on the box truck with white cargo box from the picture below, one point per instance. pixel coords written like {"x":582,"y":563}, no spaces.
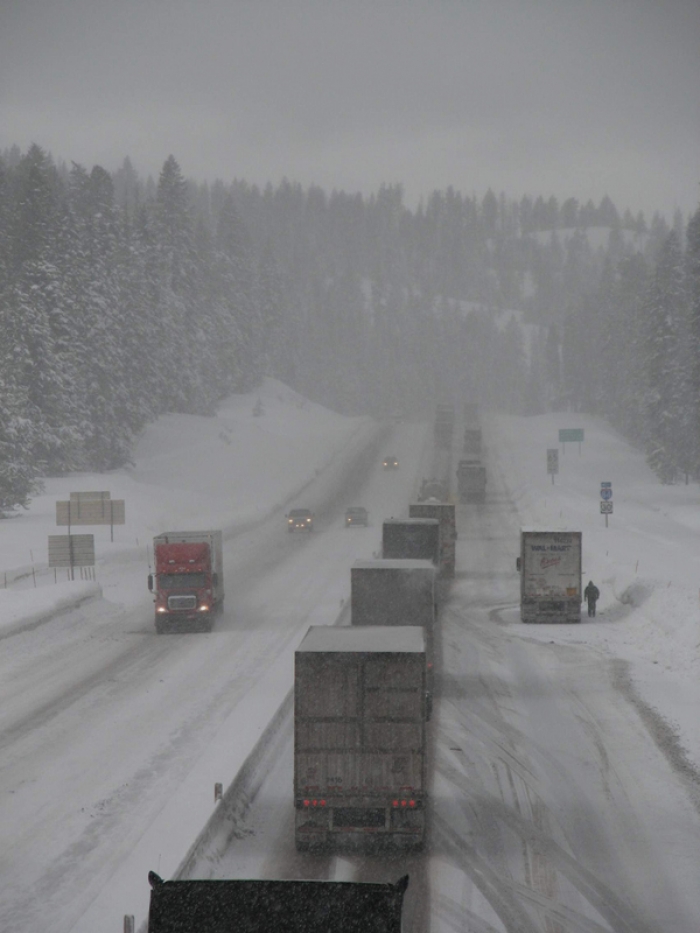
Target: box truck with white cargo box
{"x":550,"y":575}
{"x":360,"y":737}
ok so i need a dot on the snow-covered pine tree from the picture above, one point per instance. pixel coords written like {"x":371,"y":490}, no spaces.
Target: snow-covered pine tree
{"x":665,"y":313}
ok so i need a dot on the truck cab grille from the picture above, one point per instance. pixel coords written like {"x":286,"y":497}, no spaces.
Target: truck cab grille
{"x":182,"y":602}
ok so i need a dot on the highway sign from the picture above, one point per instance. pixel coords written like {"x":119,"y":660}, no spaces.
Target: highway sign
{"x":570,"y":435}
{"x":71,"y":550}
{"x":606,"y":508}
{"x":90,"y":512}
{"x":606,"y":493}
{"x":606,"y":485}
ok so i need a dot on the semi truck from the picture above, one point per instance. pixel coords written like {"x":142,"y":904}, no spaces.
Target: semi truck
{"x":411,"y":538}
{"x":471,"y":481}
{"x":472,"y":442}
{"x":444,"y":425}
{"x":188,"y":579}
{"x":550,"y":575}
{"x":259,"y":906}
{"x":471,"y":414}
{"x":392,"y":592}
{"x":444,"y":512}
{"x":396,"y":592}
{"x":360,"y":737}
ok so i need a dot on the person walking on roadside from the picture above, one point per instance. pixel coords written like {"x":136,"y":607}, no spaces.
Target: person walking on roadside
{"x":591,"y":594}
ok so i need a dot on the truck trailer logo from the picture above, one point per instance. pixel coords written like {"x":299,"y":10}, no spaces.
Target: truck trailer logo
{"x":549,"y":562}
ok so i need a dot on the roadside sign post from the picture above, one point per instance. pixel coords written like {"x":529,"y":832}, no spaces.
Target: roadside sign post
{"x":71,"y":551}
{"x":552,"y":462}
{"x":606,"y":501}
{"x":571,"y":435}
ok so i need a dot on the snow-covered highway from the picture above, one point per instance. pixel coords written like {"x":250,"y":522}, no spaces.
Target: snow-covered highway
{"x":565,"y":765}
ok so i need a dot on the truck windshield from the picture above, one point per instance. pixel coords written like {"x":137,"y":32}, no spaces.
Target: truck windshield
{"x":181,"y":581}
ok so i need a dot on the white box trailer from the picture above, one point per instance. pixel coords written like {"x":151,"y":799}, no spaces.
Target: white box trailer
{"x":360,"y":732}
{"x":550,"y":575}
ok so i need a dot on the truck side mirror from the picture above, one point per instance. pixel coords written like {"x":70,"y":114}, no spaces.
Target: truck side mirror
{"x":215,"y":579}
{"x":518,"y":563}
{"x":150,"y":582}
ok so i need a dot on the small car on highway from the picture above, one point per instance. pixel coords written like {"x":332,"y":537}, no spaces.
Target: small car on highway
{"x":300,"y":520}
{"x":390,"y":463}
{"x":356,"y":515}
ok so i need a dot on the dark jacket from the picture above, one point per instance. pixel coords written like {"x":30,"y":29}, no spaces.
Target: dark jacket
{"x":591,"y":593}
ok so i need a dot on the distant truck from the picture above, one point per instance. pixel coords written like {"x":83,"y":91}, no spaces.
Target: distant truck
{"x":360,"y":737}
{"x":472,"y":443}
{"x":444,"y":425}
{"x":188,"y":579}
{"x":396,"y":592}
{"x":444,"y":512}
{"x":471,"y":414}
{"x":392,"y":592}
{"x":412,"y":539}
{"x":471,"y":481}
{"x":550,"y":576}
{"x":207,"y":906}
{"x":433,"y":489}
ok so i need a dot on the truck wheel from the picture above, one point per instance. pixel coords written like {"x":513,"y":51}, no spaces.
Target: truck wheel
{"x":161,"y":626}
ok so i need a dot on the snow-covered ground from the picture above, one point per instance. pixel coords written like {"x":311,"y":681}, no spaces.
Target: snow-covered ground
{"x":88,"y":804}
{"x":646,"y":563}
{"x":227,"y":472}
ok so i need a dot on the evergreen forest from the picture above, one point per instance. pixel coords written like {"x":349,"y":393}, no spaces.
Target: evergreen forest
{"x":122,"y":299}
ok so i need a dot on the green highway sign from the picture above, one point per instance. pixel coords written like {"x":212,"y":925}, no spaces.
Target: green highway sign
{"x":570,"y":434}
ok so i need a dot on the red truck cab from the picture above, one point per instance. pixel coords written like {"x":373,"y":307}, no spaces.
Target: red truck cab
{"x":188,"y":580}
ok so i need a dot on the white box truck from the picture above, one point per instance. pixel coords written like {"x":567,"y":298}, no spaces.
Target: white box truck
{"x":360,"y":733}
{"x":550,"y":575}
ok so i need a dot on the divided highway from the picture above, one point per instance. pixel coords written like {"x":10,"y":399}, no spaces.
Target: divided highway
{"x":544,"y":816}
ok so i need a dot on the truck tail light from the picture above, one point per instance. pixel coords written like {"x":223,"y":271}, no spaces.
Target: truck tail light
{"x":314,"y":803}
{"x":403,"y":803}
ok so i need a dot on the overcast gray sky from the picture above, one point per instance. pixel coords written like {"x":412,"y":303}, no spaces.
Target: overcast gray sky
{"x":567,"y":97}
